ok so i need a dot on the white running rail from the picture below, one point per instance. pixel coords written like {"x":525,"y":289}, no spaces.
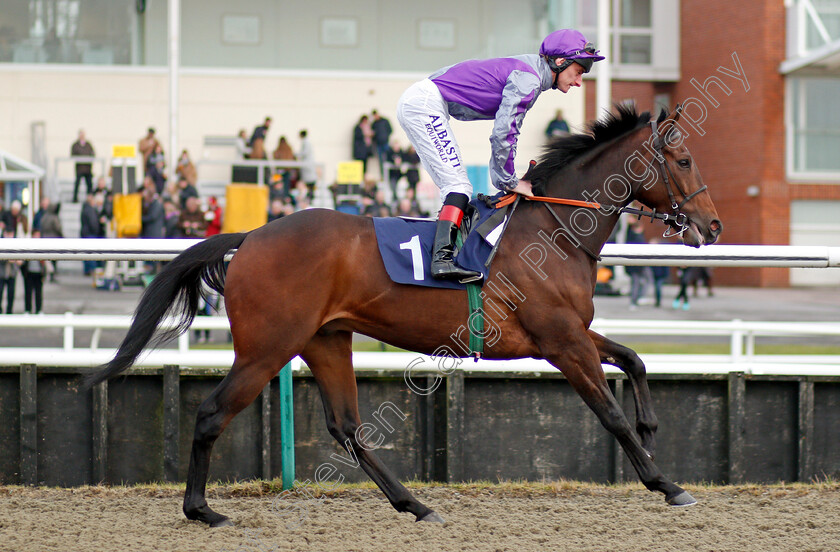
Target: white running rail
{"x":740,"y":333}
{"x":742,"y":357}
{"x":613,"y":254}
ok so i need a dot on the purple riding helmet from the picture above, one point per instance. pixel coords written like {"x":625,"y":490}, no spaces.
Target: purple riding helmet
{"x":570,"y":45}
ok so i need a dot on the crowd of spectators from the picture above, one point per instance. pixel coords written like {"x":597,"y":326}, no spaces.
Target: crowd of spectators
{"x":372,"y":139}
{"x":33,"y":273}
{"x":292,"y":180}
{"x":173,"y":207}
{"x":170,"y":207}
{"x":292,"y":185}
{"x":388,"y":190}
{"x":646,"y":280}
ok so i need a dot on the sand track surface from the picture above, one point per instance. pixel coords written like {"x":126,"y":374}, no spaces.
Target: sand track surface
{"x":516,"y":518}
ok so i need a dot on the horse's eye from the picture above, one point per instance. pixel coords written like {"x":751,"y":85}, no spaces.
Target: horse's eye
{"x":684,"y":163}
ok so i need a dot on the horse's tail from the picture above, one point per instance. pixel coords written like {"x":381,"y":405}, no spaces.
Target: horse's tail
{"x":173,"y":292}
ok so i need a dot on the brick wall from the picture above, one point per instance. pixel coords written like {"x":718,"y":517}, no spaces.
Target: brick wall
{"x":743,"y":138}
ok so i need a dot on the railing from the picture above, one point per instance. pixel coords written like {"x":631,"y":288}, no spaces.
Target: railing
{"x":65,"y":184}
{"x":69,"y":355}
{"x":789,"y":256}
{"x":740,"y":333}
{"x":211,"y":186}
{"x":271,"y":164}
{"x":742,"y":357}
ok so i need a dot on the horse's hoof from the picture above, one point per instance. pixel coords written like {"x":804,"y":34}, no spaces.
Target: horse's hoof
{"x":432,"y":517}
{"x":223,"y":522}
{"x":205,"y":515}
{"x":682,"y":499}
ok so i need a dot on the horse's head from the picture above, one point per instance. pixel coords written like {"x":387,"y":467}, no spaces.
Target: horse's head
{"x":678,"y":188}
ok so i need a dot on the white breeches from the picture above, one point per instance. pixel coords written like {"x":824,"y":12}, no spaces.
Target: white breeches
{"x":423,"y":115}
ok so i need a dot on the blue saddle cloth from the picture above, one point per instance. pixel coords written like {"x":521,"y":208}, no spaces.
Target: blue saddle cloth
{"x":405,"y":245}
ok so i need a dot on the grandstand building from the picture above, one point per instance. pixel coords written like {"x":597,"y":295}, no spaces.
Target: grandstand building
{"x":758,"y":80}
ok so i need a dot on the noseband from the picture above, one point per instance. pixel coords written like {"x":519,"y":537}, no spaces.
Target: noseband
{"x":678,"y":217}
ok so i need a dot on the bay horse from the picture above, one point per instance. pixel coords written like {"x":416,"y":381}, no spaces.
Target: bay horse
{"x":305,"y":283}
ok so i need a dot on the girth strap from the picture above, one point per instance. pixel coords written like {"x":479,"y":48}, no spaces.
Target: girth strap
{"x":475,"y":313}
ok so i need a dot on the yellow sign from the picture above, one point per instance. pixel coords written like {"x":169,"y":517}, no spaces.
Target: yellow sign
{"x":128,"y":214}
{"x":123,"y":150}
{"x":350,"y":172}
{"x":246,"y":207}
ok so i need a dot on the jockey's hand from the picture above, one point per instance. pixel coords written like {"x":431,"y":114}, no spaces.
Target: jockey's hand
{"x":524,"y":188}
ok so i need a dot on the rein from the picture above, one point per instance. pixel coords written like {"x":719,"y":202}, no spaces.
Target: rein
{"x":514,"y":198}
{"x":679,"y":218}
{"x":510,"y":198}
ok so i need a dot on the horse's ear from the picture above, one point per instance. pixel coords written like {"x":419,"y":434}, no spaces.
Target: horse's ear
{"x":663,"y":114}
{"x":677,"y":112}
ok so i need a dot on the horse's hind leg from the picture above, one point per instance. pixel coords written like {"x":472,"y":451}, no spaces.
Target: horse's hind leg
{"x":577,"y":357}
{"x":329,"y":357}
{"x":236,"y":391}
{"x":629,"y":362}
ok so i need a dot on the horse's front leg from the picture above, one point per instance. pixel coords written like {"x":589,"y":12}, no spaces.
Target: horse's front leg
{"x":629,"y":362}
{"x":577,"y":357}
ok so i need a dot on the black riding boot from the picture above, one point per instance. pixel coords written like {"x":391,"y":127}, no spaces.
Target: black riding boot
{"x":449,"y":221}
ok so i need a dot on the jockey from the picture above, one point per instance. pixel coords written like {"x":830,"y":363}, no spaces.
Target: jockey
{"x":502,"y":89}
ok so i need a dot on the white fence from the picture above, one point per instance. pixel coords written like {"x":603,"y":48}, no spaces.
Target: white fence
{"x":741,"y":357}
{"x":613,"y":254}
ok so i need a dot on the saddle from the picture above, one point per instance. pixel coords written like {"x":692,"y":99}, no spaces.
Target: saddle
{"x":405,"y":244}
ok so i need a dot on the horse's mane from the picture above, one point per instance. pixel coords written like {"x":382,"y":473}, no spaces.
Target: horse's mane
{"x":560,"y":152}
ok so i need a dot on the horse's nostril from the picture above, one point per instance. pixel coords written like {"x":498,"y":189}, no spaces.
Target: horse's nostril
{"x":716,"y":227}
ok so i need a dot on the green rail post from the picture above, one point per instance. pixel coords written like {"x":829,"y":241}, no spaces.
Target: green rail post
{"x":287,"y":427}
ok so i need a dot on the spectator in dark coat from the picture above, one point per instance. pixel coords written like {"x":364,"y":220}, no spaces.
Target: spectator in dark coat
{"x":154,"y":218}
{"x":101,"y":189}
{"x":8,"y":277}
{"x":171,"y":214}
{"x":82,"y":148}
{"x":92,"y":227}
{"x":557,"y":127}
{"x":91,"y":223}
{"x":15,"y":221}
{"x":660,"y":276}
{"x":192,"y":220}
{"x":153,"y":222}
{"x":157,"y":168}
{"x":49,"y":225}
{"x":412,"y":172}
{"x":260,"y":131}
{"x":185,"y":191}
{"x":381,"y":138}
{"x":638,"y":274}
{"x":362,"y":140}
{"x":36,"y":220}
{"x":33,"y":272}
{"x":394,"y":158}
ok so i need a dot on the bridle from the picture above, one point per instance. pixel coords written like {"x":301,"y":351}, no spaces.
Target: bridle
{"x":678,"y":217}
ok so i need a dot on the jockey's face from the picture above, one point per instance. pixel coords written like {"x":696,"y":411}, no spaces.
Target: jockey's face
{"x":570,"y":76}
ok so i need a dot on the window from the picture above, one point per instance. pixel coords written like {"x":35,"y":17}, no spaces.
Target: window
{"x":634,"y":31}
{"x":67,"y":31}
{"x":631,"y":22}
{"x":814,"y":129}
{"x":828,"y":20}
